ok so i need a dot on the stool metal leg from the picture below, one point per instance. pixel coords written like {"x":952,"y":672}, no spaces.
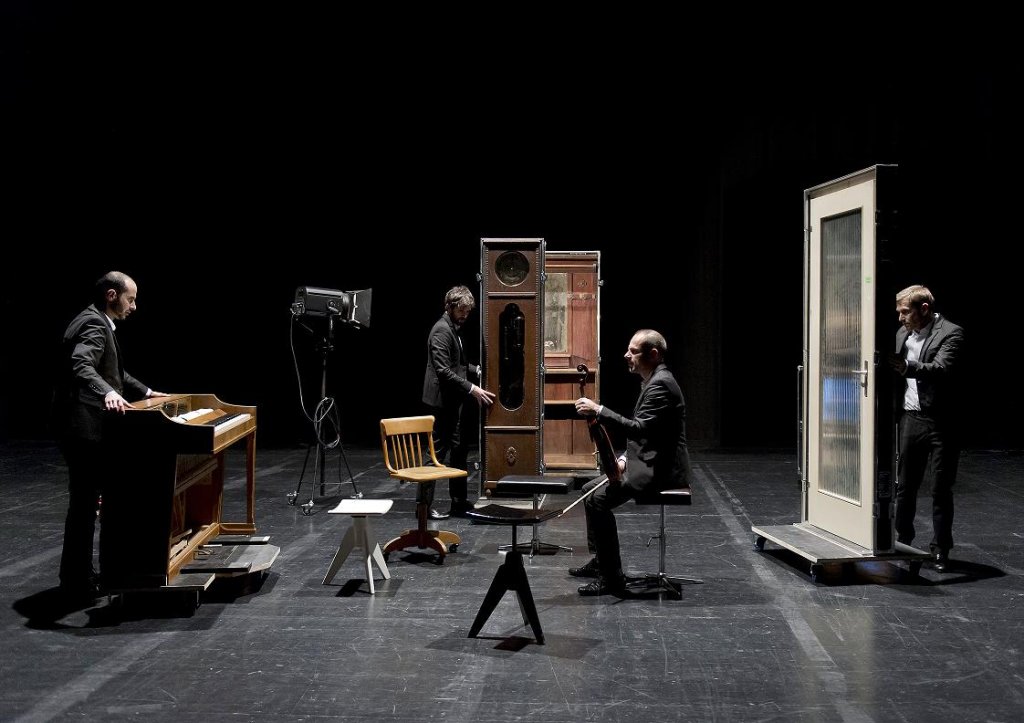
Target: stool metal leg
{"x":661,"y":581}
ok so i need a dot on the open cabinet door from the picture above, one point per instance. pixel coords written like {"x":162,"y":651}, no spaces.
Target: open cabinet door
{"x":572,"y":285}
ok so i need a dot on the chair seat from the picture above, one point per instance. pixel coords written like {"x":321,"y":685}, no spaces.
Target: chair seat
{"x":361,"y":507}
{"x":680,"y":496}
{"x":429,"y":473}
{"x":501,"y":515}
{"x":533,"y":485}
{"x":520,"y":485}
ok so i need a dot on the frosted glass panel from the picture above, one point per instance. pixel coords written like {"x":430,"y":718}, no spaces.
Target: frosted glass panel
{"x":840,"y":356}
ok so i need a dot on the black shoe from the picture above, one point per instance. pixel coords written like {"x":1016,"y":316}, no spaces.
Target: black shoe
{"x":435,"y":515}
{"x":590,"y":569}
{"x":459,"y":509}
{"x":942,"y":561}
{"x":602,"y":586}
{"x":81,"y":594}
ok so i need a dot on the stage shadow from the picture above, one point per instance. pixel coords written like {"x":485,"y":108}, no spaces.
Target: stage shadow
{"x":51,"y":609}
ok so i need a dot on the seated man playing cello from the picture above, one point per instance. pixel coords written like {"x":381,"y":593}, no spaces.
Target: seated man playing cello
{"x":656,"y":458}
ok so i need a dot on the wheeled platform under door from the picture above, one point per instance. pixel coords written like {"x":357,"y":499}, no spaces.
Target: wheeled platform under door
{"x":822,"y":548}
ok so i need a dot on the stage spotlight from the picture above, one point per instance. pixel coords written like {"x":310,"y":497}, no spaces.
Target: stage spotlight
{"x":349,"y":307}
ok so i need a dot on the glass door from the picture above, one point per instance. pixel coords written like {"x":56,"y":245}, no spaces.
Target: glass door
{"x":841,"y":370}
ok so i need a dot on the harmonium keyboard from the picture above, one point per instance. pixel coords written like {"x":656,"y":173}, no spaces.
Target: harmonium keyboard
{"x":162,"y":523}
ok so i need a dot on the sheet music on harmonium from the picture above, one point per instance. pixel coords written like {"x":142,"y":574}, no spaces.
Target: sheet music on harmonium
{"x":157,"y":517}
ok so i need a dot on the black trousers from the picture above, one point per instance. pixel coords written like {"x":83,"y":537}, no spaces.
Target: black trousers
{"x":602,"y":530}
{"x":87,"y":467}
{"x":450,"y":448}
{"x":927,"y":451}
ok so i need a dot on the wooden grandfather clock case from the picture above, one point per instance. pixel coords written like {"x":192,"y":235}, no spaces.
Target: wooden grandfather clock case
{"x":512,"y":301}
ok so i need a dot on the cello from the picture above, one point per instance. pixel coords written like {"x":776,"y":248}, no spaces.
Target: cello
{"x":600,"y":437}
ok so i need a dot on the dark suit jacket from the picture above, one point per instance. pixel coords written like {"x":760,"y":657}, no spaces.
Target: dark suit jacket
{"x":444,"y":381}
{"x":937,"y":371}
{"x":90,"y":368}
{"x":656,"y":453}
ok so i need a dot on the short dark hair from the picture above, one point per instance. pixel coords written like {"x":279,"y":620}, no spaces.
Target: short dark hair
{"x":651,"y":339}
{"x":111,"y":280}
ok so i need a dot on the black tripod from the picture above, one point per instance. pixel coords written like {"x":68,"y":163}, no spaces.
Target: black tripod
{"x":325,"y":417}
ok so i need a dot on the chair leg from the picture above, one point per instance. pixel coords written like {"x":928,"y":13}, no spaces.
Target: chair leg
{"x":511,"y":575}
{"x":661,"y":581}
{"x":346,"y":546}
{"x":372,"y":551}
{"x":441,"y":541}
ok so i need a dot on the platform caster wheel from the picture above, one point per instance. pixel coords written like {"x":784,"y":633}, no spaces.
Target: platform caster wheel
{"x":307,"y":509}
{"x":453,"y":548}
{"x":816,"y":571}
{"x":759,"y":543}
{"x":291,"y":497}
{"x":915,"y":568}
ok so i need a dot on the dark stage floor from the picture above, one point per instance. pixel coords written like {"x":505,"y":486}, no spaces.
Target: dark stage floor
{"x":759,"y":640}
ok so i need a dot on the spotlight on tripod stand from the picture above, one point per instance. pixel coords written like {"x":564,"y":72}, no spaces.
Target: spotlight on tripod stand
{"x":351,"y":308}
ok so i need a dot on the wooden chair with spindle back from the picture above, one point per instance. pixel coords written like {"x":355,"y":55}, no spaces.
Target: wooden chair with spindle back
{"x":408,"y":447}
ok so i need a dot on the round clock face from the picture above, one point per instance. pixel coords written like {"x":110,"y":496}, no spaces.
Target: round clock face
{"x":512,"y":268}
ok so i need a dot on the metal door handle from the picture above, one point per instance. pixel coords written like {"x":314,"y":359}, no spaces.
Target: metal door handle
{"x":863,"y":377}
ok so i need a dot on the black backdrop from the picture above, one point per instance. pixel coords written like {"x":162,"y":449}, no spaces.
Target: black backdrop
{"x":224,"y":160}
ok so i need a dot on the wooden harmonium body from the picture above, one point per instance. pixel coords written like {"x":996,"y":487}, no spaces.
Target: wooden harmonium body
{"x":161,"y":516}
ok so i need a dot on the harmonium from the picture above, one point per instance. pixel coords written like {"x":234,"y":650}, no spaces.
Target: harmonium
{"x":162,"y":510}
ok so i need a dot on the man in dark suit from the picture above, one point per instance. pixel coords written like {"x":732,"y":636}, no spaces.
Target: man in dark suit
{"x":927,"y":359}
{"x":445,"y":388}
{"x":91,"y":384}
{"x":656,"y":457}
